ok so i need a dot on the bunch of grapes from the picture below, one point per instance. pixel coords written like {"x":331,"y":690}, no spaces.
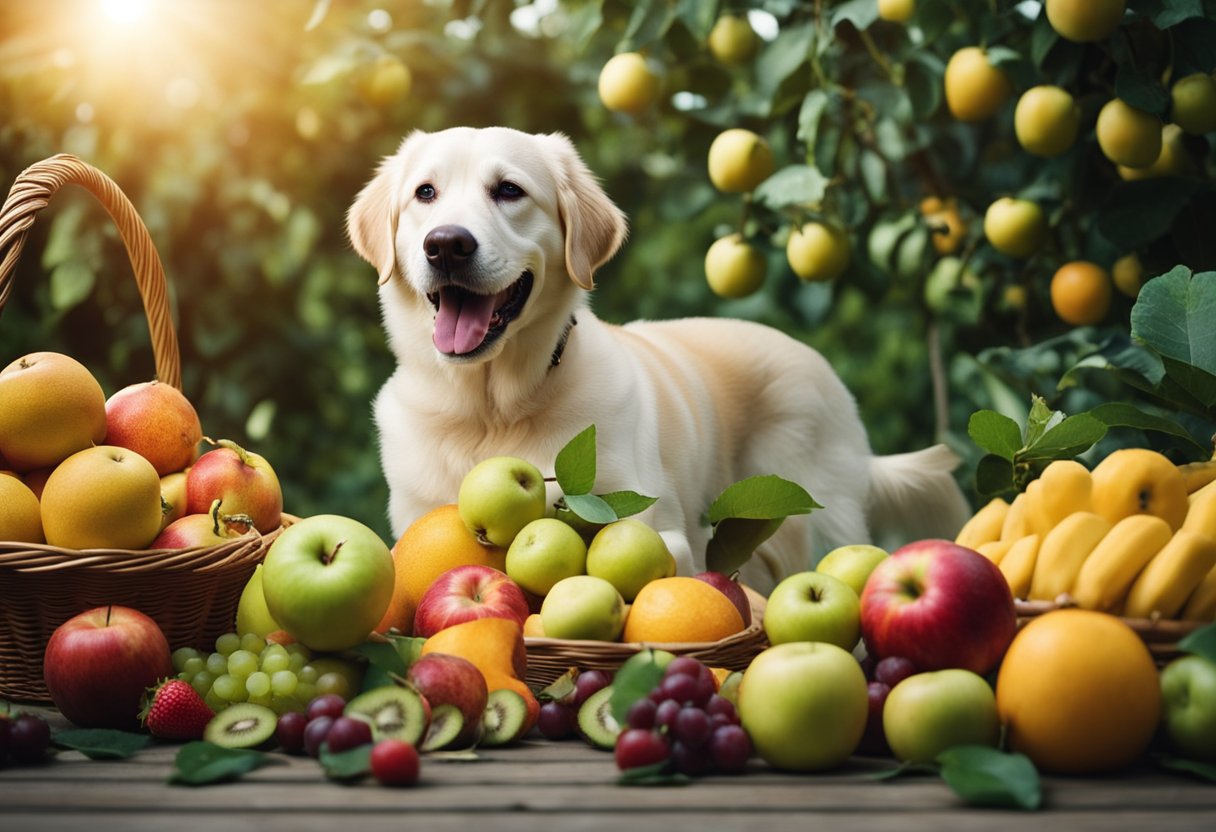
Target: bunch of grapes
{"x":684,"y":726}
{"x":244,"y":668}
{"x":558,"y":719}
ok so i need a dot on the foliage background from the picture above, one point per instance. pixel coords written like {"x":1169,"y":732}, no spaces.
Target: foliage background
{"x":242,"y":132}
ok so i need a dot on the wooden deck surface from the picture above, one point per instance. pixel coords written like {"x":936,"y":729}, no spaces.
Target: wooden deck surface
{"x":541,"y":785}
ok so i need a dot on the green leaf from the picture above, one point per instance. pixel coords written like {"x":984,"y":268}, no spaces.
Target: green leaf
{"x":1173,"y":315}
{"x":591,"y":508}
{"x":734,"y":541}
{"x":384,"y":656}
{"x":861,"y":13}
{"x":873,"y":175}
{"x":1074,"y":435}
{"x":813,"y":107}
{"x":627,"y":503}
{"x":984,"y":776}
{"x":561,"y":689}
{"x":201,"y":763}
{"x":71,"y":282}
{"x":901,"y":770}
{"x":783,"y":56}
{"x":698,"y":16}
{"x":1174,"y":12}
{"x":346,"y":766}
{"x":995,"y":433}
{"x":655,"y":774}
{"x":795,"y":185}
{"x":993,"y":476}
{"x":1137,"y":213}
{"x":1201,"y":642}
{"x":649,"y":22}
{"x":1040,"y":418}
{"x":1205,"y":771}
{"x":1140,"y":90}
{"x":765,"y":497}
{"x":1122,"y":415}
{"x":635,"y":678}
{"x":575,"y":464}
{"x":101,"y":743}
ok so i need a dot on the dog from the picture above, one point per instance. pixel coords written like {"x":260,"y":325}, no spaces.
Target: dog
{"x":486,"y":242}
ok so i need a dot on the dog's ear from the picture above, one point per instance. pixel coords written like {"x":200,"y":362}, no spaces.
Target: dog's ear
{"x":594,"y":226}
{"x":371,"y":221}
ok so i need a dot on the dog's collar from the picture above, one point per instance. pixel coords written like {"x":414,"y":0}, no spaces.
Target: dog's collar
{"x":561,"y":343}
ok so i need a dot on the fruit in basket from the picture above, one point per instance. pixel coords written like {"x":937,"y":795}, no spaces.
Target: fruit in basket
{"x":245,"y":481}
{"x":173,"y":495}
{"x":174,"y":711}
{"x":804,"y":705}
{"x":544,"y":552}
{"x":852,"y":564}
{"x":210,"y":529}
{"x":1109,"y":570}
{"x":939,"y":605}
{"x":680,"y":609}
{"x":812,"y":606}
{"x":1162,"y":587}
{"x":1063,"y":551}
{"x":252,"y":614}
{"x":453,"y":681}
{"x":984,"y":526}
{"x":929,"y":712}
{"x":327,"y":579}
{"x":1054,"y":692}
{"x":499,"y":496}
{"x":243,"y":725}
{"x":629,"y":554}
{"x":1188,"y":698}
{"x":1065,"y":488}
{"x":104,"y":497}
{"x":583,"y":607}
{"x":51,"y":406}
{"x":20,"y":512}
{"x":1139,"y":481}
{"x":98,"y":664}
{"x":468,"y":592}
{"x":156,"y":421}
{"x":731,"y":588}
{"x":431,"y":545}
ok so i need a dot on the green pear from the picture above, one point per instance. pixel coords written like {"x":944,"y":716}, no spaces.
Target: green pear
{"x":629,"y":554}
{"x":500,"y":496}
{"x":252,"y":614}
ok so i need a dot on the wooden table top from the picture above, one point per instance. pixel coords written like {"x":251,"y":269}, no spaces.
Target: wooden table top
{"x":541,"y":785}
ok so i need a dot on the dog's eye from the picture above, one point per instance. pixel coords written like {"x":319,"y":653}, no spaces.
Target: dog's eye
{"x":508,"y":190}
{"x":425,"y":193}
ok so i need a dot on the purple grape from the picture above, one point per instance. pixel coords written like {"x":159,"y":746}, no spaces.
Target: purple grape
{"x":729,"y":748}
{"x":315,"y":733}
{"x":684,"y":664}
{"x":289,"y":732}
{"x":588,"y":682}
{"x":680,"y":687}
{"x":347,"y":733}
{"x":893,"y":669}
{"x":642,"y":714}
{"x":691,"y":727}
{"x":29,"y":738}
{"x":721,"y":706}
{"x":557,"y":720}
{"x":665,"y":713}
{"x":636,"y":747}
{"x":327,"y":704}
{"x":691,"y":761}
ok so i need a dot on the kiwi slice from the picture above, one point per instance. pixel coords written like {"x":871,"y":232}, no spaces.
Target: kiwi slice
{"x":241,"y":725}
{"x":394,"y":713}
{"x":447,"y":724}
{"x":596,"y":724}
{"x":504,"y":719}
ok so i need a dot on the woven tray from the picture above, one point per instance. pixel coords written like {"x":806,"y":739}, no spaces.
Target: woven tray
{"x":549,"y":658}
{"x":191,"y":593}
{"x":1160,"y":635}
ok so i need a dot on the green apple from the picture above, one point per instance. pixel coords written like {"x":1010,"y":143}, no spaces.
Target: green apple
{"x":927,"y":713}
{"x":852,"y":564}
{"x":1188,"y":699}
{"x":499,"y":496}
{"x":252,"y":614}
{"x":804,"y":705}
{"x":629,"y":554}
{"x":328,"y":580}
{"x":544,"y":552}
{"x":812,"y":606}
{"x":583,"y":607}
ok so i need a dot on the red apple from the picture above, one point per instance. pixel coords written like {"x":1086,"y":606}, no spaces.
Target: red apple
{"x":464,"y":593}
{"x":729,"y":586}
{"x":209,"y":529}
{"x":98,"y":665}
{"x":444,"y":679}
{"x":157,"y":422}
{"x":939,"y":605}
{"x":242,"y":479}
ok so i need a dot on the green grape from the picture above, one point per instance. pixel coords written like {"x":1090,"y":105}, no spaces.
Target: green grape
{"x":305,"y":691}
{"x":335,"y":683}
{"x":258,"y":684}
{"x":227,"y":643}
{"x":284,"y":704}
{"x":214,"y":702}
{"x":307,"y":673}
{"x":184,"y":676}
{"x":284,"y":683}
{"x":195,"y":664}
{"x":295,"y":648}
{"x":229,"y":688}
{"x":274,"y":662}
{"x":274,"y":650}
{"x":296,"y":661}
{"x":242,"y":663}
{"x":253,"y":642}
{"x":263,"y":700}
{"x":183,"y":654}
{"x":217,"y":664}
{"x":202,"y":681}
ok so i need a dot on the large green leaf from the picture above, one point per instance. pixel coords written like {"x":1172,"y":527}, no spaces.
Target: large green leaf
{"x":995,"y":433}
{"x":1174,"y":316}
{"x":735,"y":540}
{"x":1139,"y":212}
{"x":984,"y":776}
{"x":793,"y":185}
{"x":575,"y":463}
{"x":1072,"y":436}
{"x":101,"y":743}
{"x":1123,"y":415}
{"x":201,"y":763}
{"x":765,"y":497}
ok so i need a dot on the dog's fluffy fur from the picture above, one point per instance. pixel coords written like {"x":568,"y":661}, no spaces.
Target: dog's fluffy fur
{"x":682,"y":408}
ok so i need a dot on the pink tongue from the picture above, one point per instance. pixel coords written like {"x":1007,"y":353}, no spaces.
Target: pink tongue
{"x":462,"y":321}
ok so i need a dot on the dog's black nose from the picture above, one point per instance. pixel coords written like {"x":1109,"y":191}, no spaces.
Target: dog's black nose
{"x":447,"y":247}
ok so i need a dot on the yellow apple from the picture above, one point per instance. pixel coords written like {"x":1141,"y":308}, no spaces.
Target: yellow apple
{"x":1015,"y":227}
{"x":734,"y":268}
{"x":739,"y":160}
{"x":1128,"y":136}
{"x":732,"y":41}
{"x":818,"y":252}
{"x":1046,"y":121}
{"x":627,"y":84}
{"x":1085,"y":21}
{"x":975,"y":89}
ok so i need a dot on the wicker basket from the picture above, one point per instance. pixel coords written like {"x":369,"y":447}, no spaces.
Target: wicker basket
{"x":1160,"y":635}
{"x":549,"y":658}
{"x":191,"y":593}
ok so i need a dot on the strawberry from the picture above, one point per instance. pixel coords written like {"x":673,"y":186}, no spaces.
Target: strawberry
{"x":174,"y":711}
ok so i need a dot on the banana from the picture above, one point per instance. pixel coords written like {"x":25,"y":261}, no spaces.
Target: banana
{"x":1201,"y":493}
{"x":985,"y":525}
{"x":1067,"y":488}
{"x":1198,"y":474}
{"x":1063,"y":551}
{"x":1171,"y":576}
{"x":1201,"y":516}
{"x":1014,"y":527}
{"x":1113,"y":565}
{"x":1018,"y":564}
{"x":1033,"y":511}
{"x":1201,"y":606}
{"x":1139,"y":481}
{"x":995,"y":550}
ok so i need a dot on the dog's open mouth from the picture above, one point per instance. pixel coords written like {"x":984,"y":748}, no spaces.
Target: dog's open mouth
{"x":466,"y":321}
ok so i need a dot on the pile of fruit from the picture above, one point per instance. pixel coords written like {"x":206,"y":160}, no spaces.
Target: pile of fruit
{"x":1134,"y":537}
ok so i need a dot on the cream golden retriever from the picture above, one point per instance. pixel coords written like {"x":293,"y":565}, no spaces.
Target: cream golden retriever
{"x":486,"y":241}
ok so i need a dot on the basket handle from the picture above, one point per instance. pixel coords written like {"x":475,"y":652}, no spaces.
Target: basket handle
{"x":31,"y":192}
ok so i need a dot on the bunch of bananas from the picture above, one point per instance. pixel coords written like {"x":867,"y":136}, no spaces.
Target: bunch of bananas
{"x":1134,"y":537}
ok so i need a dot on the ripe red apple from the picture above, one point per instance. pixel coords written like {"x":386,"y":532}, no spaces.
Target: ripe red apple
{"x":242,"y":479}
{"x":156,"y":421}
{"x":209,"y":529}
{"x":444,"y":679}
{"x":939,"y":605}
{"x":98,"y":665}
{"x":729,"y":587}
{"x":464,"y":593}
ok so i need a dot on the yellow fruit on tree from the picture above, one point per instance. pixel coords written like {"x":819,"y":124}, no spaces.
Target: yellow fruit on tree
{"x":1128,"y":136}
{"x":1016,"y":227}
{"x":628,"y":85}
{"x":896,"y":11}
{"x":50,"y":408}
{"x":975,"y":89}
{"x":1139,"y":481}
{"x":945,"y":223}
{"x":20,"y":514}
{"x":1173,"y":160}
{"x":732,"y":41}
{"x":1078,"y":693}
{"x":739,"y":160}
{"x":1046,"y":121}
{"x":733,"y":267}
{"x":385,"y":82}
{"x":1128,"y":275}
{"x":1081,"y":293}
{"x":104,"y":497}
{"x":1109,"y":570}
{"x":818,"y":251}
{"x":1085,"y":21}
{"x":1194,"y":104}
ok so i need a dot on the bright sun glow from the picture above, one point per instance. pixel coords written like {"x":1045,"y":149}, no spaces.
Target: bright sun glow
{"x":126,"y":11}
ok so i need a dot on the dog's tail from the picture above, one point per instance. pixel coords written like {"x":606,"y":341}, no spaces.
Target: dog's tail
{"x":914,"y":496}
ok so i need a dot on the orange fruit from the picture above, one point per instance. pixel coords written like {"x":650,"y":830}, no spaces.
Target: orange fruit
{"x":496,"y":647}
{"x":1080,"y":293}
{"x":681,"y":610}
{"x":1078,"y":692}
{"x":431,"y":545}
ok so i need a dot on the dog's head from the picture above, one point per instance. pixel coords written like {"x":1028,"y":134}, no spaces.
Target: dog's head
{"x":490,"y":232}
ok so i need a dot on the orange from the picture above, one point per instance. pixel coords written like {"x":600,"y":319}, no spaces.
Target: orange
{"x":434,"y":543}
{"x":1078,"y":692}
{"x":681,"y":610}
{"x":1080,"y":293}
